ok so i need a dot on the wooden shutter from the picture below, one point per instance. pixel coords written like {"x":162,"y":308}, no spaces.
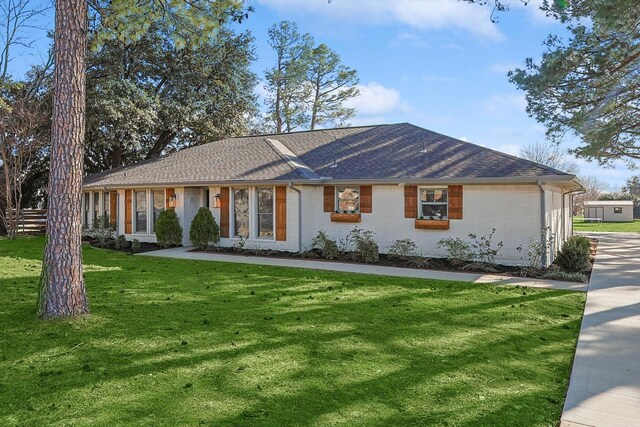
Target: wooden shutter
{"x":455,"y":202}
{"x":329,"y":198}
{"x":366,"y":199}
{"x":410,"y":201}
{"x":224,"y":211}
{"x":113,"y":209}
{"x":128,"y":205}
{"x":281,"y":213}
{"x":168,"y":194}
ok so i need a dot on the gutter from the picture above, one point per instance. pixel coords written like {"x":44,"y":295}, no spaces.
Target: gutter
{"x":290,"y":185}
{"x":331,"y":181}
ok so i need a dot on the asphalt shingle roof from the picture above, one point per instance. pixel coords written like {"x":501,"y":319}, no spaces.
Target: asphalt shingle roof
{"x":397,"y":151}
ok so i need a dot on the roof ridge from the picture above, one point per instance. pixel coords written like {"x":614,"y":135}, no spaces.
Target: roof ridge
{"x":317,"y":130}
{"x":511,"y":156}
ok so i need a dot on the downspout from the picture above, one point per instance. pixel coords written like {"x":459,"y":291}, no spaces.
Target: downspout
{"x":572,"y":193}
{"x":299,"y":216}
{"x":543,"y":219}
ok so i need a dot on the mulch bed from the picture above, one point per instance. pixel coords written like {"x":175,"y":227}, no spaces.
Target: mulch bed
{"x":442,"y":264}
{"x":144,"y":246}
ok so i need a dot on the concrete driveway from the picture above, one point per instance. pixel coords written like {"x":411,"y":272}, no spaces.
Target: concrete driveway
{"x":605,"y":381}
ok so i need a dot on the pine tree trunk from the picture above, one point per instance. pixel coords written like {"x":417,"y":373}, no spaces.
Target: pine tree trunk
{"x":62,"y":290}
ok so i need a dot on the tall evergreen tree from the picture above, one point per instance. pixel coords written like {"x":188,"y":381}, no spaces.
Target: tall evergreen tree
{"x":332,"y":83}
{"x":285,"y":82}
{"x":62,"y":291}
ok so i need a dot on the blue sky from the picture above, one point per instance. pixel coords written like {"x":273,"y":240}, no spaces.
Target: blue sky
{"x":439,"y":64}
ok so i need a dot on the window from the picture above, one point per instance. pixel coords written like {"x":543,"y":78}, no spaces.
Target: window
{"x":433,"y":203}
{"x":348,"y":199}
{"x":96,"y":206}
{"x":87,"y":199}
{"x":241,"y":213}
{"x":206,"y":197}
{"x":158,"y":206}
{"x":106,"y":206}
{"x":617,"y":210}
{"x":265,"y":213}
{"x":141,"y":211}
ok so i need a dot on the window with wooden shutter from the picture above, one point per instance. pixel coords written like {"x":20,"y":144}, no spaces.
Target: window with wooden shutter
{"x":281,"y":213}
{"x":410,"y":201}
{"x":455,"y":202}
{"x":113,"y":209}
{"x":128,"y":206}
{"x":329,"y":198}
{"x":224,"y":211}
{"x":170,"y":198}
{"x":366,"y":199}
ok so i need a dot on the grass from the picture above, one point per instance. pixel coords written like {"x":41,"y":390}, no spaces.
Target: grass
{"x":623,"y":227}
{"x":199,"y":343}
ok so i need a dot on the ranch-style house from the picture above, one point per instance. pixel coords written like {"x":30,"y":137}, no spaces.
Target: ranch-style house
{"x":398,"y":180}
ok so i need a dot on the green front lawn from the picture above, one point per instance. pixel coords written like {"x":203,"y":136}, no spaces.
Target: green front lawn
{"x":185,"y":343}
{"x":628,"y":227}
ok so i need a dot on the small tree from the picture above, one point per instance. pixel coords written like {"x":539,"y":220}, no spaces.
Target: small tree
{"x":204,"y":229}
{"x":168,"y":229}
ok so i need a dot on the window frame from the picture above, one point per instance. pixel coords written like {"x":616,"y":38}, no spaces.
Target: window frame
{"x":96,"y":209}
{"x":134,"y":207}
{"x":617,"y":210}
{"x":87,"y":208}
{"x":257,"y":213}
{"x":232,"y":221}
{"x":421,"y":203}
{"x":151,"y":208}
{"x":337,"y":198}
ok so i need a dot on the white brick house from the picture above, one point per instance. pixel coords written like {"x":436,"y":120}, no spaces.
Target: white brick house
{"x":399,"y":181}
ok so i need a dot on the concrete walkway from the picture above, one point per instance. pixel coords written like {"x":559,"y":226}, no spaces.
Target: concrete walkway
{"x":184,"y":253}
{"x":605,"y":381}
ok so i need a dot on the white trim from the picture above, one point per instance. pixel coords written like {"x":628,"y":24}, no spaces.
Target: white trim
{"x":273,"y":215}
{"x":420,"y":202}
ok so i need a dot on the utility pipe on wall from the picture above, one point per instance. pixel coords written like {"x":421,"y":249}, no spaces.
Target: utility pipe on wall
{"x":299,"y":215}
{"x":543,"y":218}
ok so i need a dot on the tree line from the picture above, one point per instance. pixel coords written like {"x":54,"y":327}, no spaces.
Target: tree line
{"x":152,"y":96}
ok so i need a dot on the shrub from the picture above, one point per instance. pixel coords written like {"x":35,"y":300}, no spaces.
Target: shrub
{"x":483,"y":248}
{"x":168,"y":229}
{"x":136,"y":246}
{"x":365,"y":249}
{"x":402,"y":250}
{"x":575,"y":253}
{"x":101,"y":231}
{"x":458,"y":251}
{"x":204,"y":229}
{"x":238,"y":245}
{"x":327,"y":246}
{"x":121,"y":242}
{"x":535,"y":250}
{"x":417,"y":261}
{"x":567,"y":277}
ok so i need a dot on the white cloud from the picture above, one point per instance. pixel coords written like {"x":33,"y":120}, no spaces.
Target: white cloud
{"x":513,"y":149}
{"x":422,"y":15}
{"x":376,"y":100}
{"x":502,"y":105}
{"x":504,"y":68}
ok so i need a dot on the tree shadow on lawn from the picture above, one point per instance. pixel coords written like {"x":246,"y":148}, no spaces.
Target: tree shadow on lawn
{"x":253,"y":346}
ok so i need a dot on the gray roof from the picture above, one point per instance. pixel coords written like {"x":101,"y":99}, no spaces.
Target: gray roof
{"x":385,"y":152}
